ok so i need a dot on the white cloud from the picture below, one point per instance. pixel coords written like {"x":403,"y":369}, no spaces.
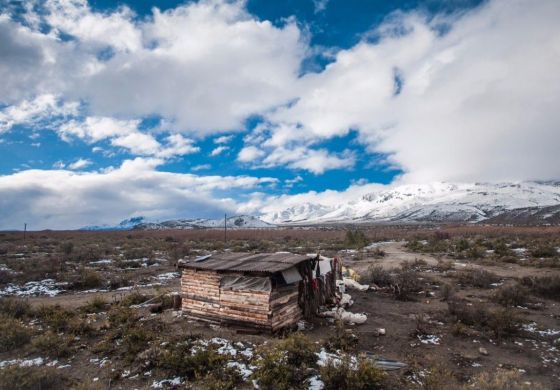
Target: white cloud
{"x":94,"y":129}
{"x":315,"y":161}
{"x":59,"y":165}
{"x":249,"y":154}
{"x":219,"y":150}
{"x":224,"y":139}
{"x":134,"y":188}
{"x":138,"y":143}
{"x":78,"y":164}
{"x":477,"y":103}
{"x":33,"y":112}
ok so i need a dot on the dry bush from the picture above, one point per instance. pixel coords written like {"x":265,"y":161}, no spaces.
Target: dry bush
{"x":545,"y":286}
{"x":15,"y":307}
{"x":343,"y":339}
{"x":52,"y":345}
{"x":511,"y":295}
{"x":347,"y":374}
{"x":501,"y":380}
{"x":87,"y":280}
{"x":378,"y":276}
{"x":13,"y":334}
{"x":95,"y":305}
{"x":406,"y":283}
{"x":26,"y":378}
{"x":447,"y":291}
{"x":477,"y":277}
{"x":504,"y":323}
{"x":440,"y":378}
{"x":544,"y":250}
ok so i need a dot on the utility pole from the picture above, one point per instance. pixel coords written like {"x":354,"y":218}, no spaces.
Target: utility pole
{"x":24,"y":230}
{"x":225,"y":228}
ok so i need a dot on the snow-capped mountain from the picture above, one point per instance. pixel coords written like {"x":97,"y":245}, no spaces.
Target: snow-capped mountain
{"x":435,"y":202}
{"x":235,"y":222}
{"x":127,"y":224}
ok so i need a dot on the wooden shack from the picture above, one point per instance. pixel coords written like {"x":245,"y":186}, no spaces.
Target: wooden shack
{"x":269,"y":291}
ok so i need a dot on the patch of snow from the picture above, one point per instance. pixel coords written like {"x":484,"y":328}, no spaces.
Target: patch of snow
{"x":168,"y":276}
{"x":244,"y":370}
{"x":315,"y":383}
{"x":170,"y":382}
{"x":429,"y":339}
{"x":101,"y":262}
{"x":22,"y":362}
{"x":48,"y":287}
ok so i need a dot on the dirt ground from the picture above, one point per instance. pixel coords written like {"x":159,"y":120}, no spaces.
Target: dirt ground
{"x":419,"y":331}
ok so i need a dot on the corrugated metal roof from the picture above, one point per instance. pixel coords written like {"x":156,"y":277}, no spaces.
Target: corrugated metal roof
{"x":247,"y":262}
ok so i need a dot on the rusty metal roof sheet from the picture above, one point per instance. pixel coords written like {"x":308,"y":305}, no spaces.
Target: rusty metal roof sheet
{"x":247,"y":262}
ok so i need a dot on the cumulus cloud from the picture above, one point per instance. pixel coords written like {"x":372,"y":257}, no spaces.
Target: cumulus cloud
{"x":36,"y":111}
{"x":177,"y":63}
{"x":249,"y":154}
{"x":476,"y":103}
{"x":134,"y":188}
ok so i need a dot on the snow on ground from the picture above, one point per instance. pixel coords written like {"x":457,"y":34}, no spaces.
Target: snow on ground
{"x":168,"y":276}
{"x":48,"y":287}
{"x":167,"y":382}
{"x":429,"y":339}
{"x":22,"y":362}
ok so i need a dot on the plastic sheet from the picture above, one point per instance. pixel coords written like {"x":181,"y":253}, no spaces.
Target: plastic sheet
{"x":245,"y":283}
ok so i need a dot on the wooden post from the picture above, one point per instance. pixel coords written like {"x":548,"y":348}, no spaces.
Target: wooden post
{"x":225,"y":228}
{"x":24,"y":230}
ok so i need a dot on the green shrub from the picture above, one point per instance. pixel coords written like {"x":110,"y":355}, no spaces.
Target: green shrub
{"x":13,"y":334}
{"x":349,"y":375}
{"x":286,"y":363}
{"x":544,"y":251}
{"x":356,"y":239}
{"x":181,"y":360}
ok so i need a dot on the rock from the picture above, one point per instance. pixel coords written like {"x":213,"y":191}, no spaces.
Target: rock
{"x":381,"y":331}
{"x":483,"y":351}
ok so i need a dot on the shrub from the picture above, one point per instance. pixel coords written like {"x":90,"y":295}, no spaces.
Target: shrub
{"x":347,"y":374}
{"x":95,"y":305}
{"x":477,"y":277}
{"x":15,"y":307}
{"x":182,"y":360}
{"x":13,"y":334}
{"x":87,"y":279}
{"x":502,"y":379}
{"x":135,"y":340}
{"x":134,"y":298}
{"x":440,"y":378}
{"x":343,"y":339}
{"x":406,"y":282}
{"x":545,"y":286}
{"x":285,"y":364}
{"x":504,"y":323}
{"x":544,"y":251}
{"x":378,"y":276}
{"x":474,"y":314}
{"x":52,"y":345}
{"x":355,"y":239}
{"x":57,"y":318}
{"x":25,"y":378}
{"x":511,"y":295}
{"x":447,"y":291}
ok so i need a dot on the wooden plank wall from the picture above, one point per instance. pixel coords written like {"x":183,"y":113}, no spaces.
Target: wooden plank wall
{"x":203,"y":299}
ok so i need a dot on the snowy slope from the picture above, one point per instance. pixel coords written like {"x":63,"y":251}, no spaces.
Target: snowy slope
{"x":236,"y":222}
{"x":435,"y":202}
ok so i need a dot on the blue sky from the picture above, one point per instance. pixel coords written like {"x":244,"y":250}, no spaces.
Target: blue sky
{"x":212,"y":106}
